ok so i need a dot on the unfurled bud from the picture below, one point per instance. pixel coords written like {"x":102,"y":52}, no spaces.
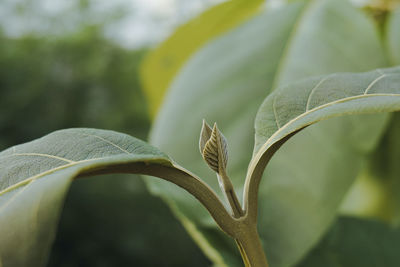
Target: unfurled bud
{"x":205,"y":134}
{"x":213,"y":147}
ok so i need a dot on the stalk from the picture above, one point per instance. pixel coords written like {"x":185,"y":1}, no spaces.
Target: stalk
{"x":250,"y":247}
{"x":214,"y":149}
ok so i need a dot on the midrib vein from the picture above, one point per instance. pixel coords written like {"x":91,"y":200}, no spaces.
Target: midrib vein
{"x":32,"y":178}
{"x":70,"y":163}
{"x":39,"y":155}
{"x":292,"y":35}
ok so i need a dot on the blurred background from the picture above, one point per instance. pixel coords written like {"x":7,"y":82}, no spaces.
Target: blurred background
{"x":74,"y":63}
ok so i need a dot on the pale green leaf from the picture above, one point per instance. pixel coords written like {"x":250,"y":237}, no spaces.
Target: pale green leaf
{"x":303,"y":103}
{"x":35,"y":176}
{"x":393,"y":36}
{"x":299,"y":105}
{"x":226,"y":82}
{"x":317,"y":48}
{"x":167,"y":59}
{"x":376,"y":186}
{"x":239,"y":73}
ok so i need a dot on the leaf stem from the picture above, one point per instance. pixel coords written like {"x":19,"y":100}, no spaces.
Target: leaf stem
{"x":246,"y":235}
{"x":229,"y":192}
{"x":254,"y":175}
{"x":183,"y":178}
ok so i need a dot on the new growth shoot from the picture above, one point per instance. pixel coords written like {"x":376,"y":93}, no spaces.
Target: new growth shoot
{"x":214,"y":149}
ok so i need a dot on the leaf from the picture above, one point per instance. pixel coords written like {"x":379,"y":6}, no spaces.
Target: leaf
{"x":35,"y":177}
{"x":356,"y":242}
{"x":386,"y":169}
{"x":205,"y":135}
{"x":239,"y":67}
{"x":301,"y":104}
{"x":377,"y":193}
{"x":294,"y":107}
{"x":226,"y":82}
{"x":215,"y":150}
{"x":393,"y":36}
{"x":168,"y":59}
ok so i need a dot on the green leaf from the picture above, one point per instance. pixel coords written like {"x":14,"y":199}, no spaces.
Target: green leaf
{"x":35,"y":177}
{"x":356,"y":242}
{"x":393,"y":36}
{"x":386,"y":169}
{"x":301,"y":104}
{"x":294,"y":107}
{"x":226,"y":82}
{"x":201,"y":90}
{"x":170,"y":56}
{"x":377,"y":191}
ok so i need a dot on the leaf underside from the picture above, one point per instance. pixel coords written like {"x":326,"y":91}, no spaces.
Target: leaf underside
{"x":287,"y":43}
{"x":303,"y":103}
{"x":35,"y":177}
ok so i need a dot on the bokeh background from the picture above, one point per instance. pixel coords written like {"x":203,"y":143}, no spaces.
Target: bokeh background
{"x":74,"y":63}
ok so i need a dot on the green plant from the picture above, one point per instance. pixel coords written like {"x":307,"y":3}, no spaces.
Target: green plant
{"x":294,"y":52}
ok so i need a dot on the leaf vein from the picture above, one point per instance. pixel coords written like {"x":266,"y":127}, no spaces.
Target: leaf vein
{"x":268,"y":142}
{"x":275,"y":113}
{"x":40,"y":155}
{"x":27,"y":180}
{"x":373,"y":83}
{"x":313,"y":90}
{"x":290,"y":40}
{"x":109,"y":142}
{"x":15,"y":196}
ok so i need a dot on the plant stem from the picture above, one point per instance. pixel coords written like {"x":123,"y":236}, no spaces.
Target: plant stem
{"x":250,"y":247}
{"x":247,"y":238}
{"x":243,"y":254}
{"x":227,"y":189}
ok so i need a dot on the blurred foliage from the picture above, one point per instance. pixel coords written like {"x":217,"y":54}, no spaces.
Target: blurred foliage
{"x":384,"y":167}
{"x":167,"y":59}
{"x":113,"y":221}
{"x":226,"y":81}
{"x":356,"y":242}
{"x":78,"y":80}
{"x":83,"y":80}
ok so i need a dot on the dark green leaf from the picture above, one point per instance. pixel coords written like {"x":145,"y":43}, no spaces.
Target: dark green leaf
{"x":377,"y":192}
{"x":356,"y":242}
